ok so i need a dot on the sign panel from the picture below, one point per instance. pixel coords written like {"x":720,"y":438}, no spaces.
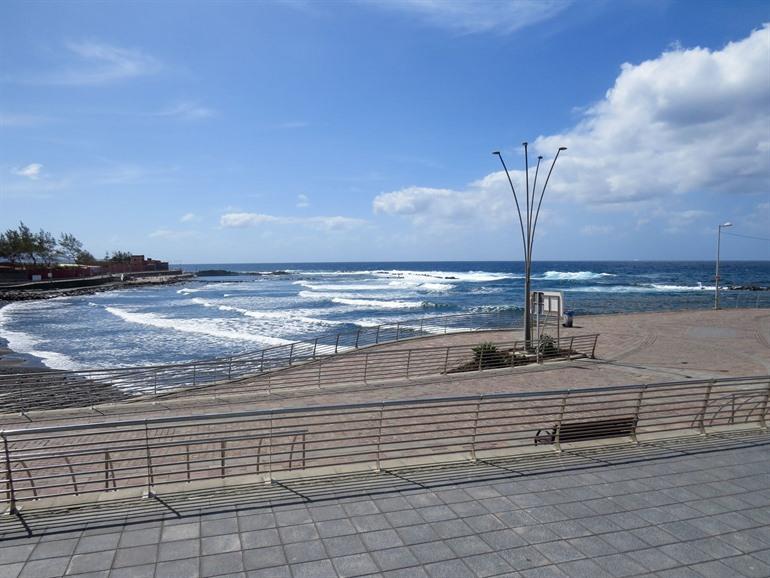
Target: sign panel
{"x":544,"y":302}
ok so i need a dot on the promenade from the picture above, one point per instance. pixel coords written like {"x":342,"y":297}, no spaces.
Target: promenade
{"x":677,"y":504}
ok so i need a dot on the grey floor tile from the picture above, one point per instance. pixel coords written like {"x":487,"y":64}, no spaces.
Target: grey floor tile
{"x":354,"y":565}
{"x":140,"y":537}
{"x":46,"y":568}
{"x":259,"y":558}
{"x":299,"y":533}
{"x":344,"y":545}
{"x":92,"y":562}
{"x":417,"y":534}
{"x":179,"y":550}
{"x":524,"y":558}
{"x":381,"y":539}
{"x":653,"y":559}
{"x":468,"y":546}
{"x":54,"y":548}
{"x":432,"y":552}
{"x":220,"y":544}
{"x":189,"y":568}
{"x":298,"y":552}
{"x":544,"y":572}
{"x":489,"y":564}
{"x":98,"y":543}
{"x":584,"y":568}
{"x":228,"y":563}
{"x":217,"y":527}
{"x":145,"y":571}
{"x":748,"y":566}
{"x":181,"y":532}
{"x":135,"y":556}
{"x":448,"y":569}
{"x":620,"y":565}
{"x":320,"y":569}
{"x":331,"y":528}
{"x":559,"y":552}
{"x":395,"y":558}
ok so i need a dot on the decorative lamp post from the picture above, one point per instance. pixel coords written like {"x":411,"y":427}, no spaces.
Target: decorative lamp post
{"x":528,"y":225}
{"x":719,"y":238}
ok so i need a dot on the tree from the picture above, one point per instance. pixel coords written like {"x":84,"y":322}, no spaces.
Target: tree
{"x":10,"y":246}
{"x":45,"y":247}
{"x":120,"y":257}
{"x":85,"y":258}
{"x":27,"y":243}
{"x":70,"y":246}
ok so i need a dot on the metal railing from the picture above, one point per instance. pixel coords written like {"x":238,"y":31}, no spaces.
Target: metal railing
{"x":23,"y":392}
{"x":41,"y":391}
{"x":146,"y":455}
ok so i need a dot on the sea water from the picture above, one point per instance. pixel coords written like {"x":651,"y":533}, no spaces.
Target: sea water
{"x":218,"y":316}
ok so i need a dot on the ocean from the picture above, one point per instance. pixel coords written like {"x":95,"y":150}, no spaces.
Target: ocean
{"x":228,"y":315}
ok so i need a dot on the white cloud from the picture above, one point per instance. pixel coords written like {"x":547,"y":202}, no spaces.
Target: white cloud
{"x":293,"y":124}
{"x":23,"y":120}
{"x":31,"y":171}
{"x":479,"y":15}
{"x":187,"y":111}
{"x":302,"y":201}
{"x":687,"y":122}
{"x":171,"y":235}
{"x":690,"y":120}
{"x":189,"y":218}
{"x":336,"y":223}
{"x":98,"y":63}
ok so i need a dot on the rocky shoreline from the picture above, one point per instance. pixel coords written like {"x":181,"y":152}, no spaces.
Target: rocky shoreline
{"x":15,"y":294}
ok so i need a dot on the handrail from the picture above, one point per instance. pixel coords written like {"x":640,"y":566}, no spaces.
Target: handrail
{"x":147,"y":454}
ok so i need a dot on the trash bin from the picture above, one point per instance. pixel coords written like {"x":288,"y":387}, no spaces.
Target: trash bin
{"x":567,"y":318}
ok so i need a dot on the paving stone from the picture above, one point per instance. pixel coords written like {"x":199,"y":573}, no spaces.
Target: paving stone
{"x":468,"y":545}
{"x":300,"y":533}
{"x":320,"y":569}
{"x":98,"y":543}
{"x":54,"y":548}
{"x":304,"y":551}
{"x":227,"y":563}
{"x":181,"y":532}
{"x":355,"y":565}
{"x":11,"y":570}
{"x":624,"y":541}
{"x":685,"y":553}
{"x":362,"y":508}
{"x":524,"y":558}
{"x":381,"y":539}
{"x":584,"y":568}
{"x":535,"y":534}
{"x":218,"y":527}
{"x":436,"y":513}
{"x":135,"y":556}
{"x":220,"y":544}
{"x":176,"y":568}
{"x":417,"y":534}
{"x":323,"y":513}
{"x":275,"y":572}
{"x":484,"y":565}
{"x":333,"y":528}
{"x":370,"y":523}
{"x":392,"y":504}
{"x":404,"y":518}
{"x":452,"y":528}
{"x":140,"y":537}
{"x":256,"y":521}
{"x":448,"y":569}
{"x":178,"y":550}
{"x":620,"y":565}
{"x":91,"y":562}
{"x":432,"y":552}
{"x":713,"y":569}
{"x":46,"y":568}
{"x":344,"y":545}
{"x":406,"y":573}
{"x":259,"y":558}
{"x":293,"y":517}
{"x":558,"y":552}
{"x":748,"y":566}
{"x":653,"y":559}
{"x":395,"y":558}
{"x":145,"y":571}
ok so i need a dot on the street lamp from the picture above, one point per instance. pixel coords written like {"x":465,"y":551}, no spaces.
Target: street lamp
{"x":719,"y":238}
{"x":528,"y":225}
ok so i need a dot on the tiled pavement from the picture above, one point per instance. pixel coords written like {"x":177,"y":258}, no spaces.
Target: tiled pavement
{"x":689,"y":507}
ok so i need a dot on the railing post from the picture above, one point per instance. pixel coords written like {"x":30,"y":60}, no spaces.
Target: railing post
{"x":358,"y":335}
{"x":366,"y":365}
{"x":194,"y":374}
{"x":291,"y":354}
{"x":557,"y":439}
{"x":593,"y":349}
{"x":320,"y":363}
{"x":421,"y":321}
{"x":706,"y":400}
{"x":262,"y":362}
{"x":336,"y":344}
{"x":377,"y":335}
{"x":379,"y":438}
{"x":636,"y":413}
{"x":762,"y":415}
{"x":187,"y":461}
{"x":270,"y":451}
{"x":230,"y":369}
{"x":315,"y":346}
{"x":571,"y":346}
{"x":475,"y":427}
{"x":149,"y":459}
{"x":222,"y":450}
{"x":408,"y":361}
{"x":9,"y":476}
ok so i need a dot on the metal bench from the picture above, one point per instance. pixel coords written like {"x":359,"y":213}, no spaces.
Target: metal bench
{"x":579,"y":431}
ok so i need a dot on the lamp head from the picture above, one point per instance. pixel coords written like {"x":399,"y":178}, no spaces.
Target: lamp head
{"x":562,"y":148}
{"x":496,"y":153}
{"x":727,"y":224}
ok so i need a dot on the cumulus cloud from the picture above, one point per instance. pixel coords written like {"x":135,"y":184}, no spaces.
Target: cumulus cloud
{"x":479,"y":15}
{"x":689,"y":121}
{"x":335,"y":223}
{"x":31,"y":171}
{"x":302,"y":201}
{"x":597,"y":230}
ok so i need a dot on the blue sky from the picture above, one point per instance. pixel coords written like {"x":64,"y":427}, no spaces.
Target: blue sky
{"x":343,"y":131}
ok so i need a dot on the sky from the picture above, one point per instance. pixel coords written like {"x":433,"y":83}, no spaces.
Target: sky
{"x":300,"y":131}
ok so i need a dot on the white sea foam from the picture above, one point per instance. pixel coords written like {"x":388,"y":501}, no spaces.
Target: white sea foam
{"x":187,"y":291}
{"x":572,"y":275}
{"x":377,"y":304}
{"x":342,"y":286}
{"x":21,"y":342}
{"x":465,"y":276}
{"x":293,"y":315}
{"x":649,"y":288}
{"x":210,"y":327}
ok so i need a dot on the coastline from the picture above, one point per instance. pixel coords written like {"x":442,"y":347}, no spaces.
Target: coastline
{"x":14,"y":362}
